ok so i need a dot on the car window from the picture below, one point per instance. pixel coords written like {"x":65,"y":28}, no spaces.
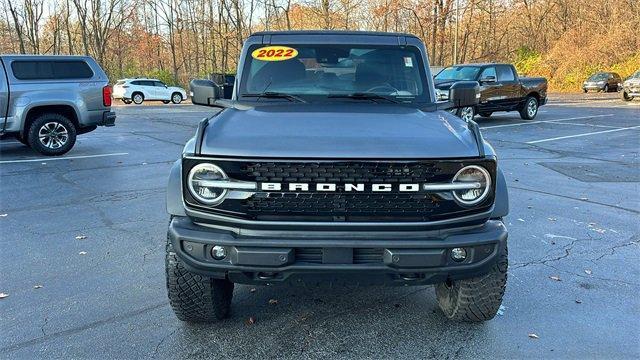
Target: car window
{"x":458,"y":73}
{"x":51,"y":69}
{"x":159,"y":83}
{"x":505,"y":73}
{"x":324,"y":72}
{"x":490,"y":71}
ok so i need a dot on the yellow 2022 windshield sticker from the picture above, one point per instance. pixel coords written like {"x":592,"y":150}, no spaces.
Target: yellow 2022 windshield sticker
{"x":274,"y":53}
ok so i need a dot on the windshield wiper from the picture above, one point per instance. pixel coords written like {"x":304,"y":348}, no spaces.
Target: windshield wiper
{"x":276,"y":95}
{"x":363,"y":96}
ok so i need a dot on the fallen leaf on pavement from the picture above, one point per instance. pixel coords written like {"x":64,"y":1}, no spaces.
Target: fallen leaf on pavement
{"x":552,"y":219}
{"x":534,"y":336}
{"x":37,"y":286}
{"x":556,"y":278}
{"x":578,"y":301}
{"x":82,"y":253}
{"x":3,"y":295}
{"x":250,"y":321}
{"x":522,"y":220}
{"x":3,"y":215}
{"x":588,"y":271}
{"x":273,"y":302}
{"x":81,"y":237}
{"x":501,"y":310}
{"x":253,"y":290}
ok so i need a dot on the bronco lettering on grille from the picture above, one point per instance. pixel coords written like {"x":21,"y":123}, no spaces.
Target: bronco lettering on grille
{"x":331,"y":187}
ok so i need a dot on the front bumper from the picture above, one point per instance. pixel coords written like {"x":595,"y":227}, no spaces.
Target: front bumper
{"x":593,"y":87}
{"x":310,"y":258}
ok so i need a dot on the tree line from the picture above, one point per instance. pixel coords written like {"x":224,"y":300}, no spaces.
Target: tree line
{"x":177,"y":40}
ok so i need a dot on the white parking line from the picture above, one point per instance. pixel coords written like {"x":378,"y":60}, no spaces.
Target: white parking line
{"x":545,"y":121}
{"x":580,"y":135}
{"x":47,"y":159}
{"x":590,"y":125}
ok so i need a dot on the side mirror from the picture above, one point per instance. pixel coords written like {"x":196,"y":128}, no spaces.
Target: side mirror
{"x":464,"y":93}
{"x":204,"y":92}
{"x":488,"y":79}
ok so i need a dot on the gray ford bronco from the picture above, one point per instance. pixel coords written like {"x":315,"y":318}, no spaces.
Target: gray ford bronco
{"x":333,"y":164}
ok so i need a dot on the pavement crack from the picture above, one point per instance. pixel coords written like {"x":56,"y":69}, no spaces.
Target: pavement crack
{"x":576,"y":199}
{"x":155,"y":352}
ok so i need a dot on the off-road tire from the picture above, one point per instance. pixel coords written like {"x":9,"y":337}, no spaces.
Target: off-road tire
{"x":33,"y":134}
{"x":176,"y":98}
{"x":485,"y":114}
{"x":477,"y":299}
{"x":524,"y":112}
{"x":624,"y":96}
{"x":193,"y":297}
{"x":137,"y":100}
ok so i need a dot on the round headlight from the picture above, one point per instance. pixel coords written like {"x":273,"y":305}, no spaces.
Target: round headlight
{"x":199,"y":180}
{"x":476,"y":175}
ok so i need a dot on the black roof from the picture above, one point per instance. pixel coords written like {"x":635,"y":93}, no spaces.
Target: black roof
{"x":330,"y":32}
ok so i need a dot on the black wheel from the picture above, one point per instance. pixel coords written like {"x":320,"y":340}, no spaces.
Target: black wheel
{"x":51,"y":134}
{"x":485,"y":114}
{"x":165,"y":101}
{"x":530,"y":108}
{"x":193,"y":297}
{"x":476,"y":299}
{"x":126,"y":101}
{"x":176,"y":98}
{"x":624,"y":96}
{"x":605,"y":88}
{"x":137,"y":98}
{"x":465,"y":113}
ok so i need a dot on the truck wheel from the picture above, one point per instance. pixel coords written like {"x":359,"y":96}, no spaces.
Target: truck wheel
{"x":485,"y":114}
{"x":476,"y":299}
{"x":193,"y":297}
{"x":137,"y":98}
{"x":51,"y":134}
{"x":465,"y":113}
{"x":176,"y":98}
{"x":530,"y":109}
{"x":624,"y":96}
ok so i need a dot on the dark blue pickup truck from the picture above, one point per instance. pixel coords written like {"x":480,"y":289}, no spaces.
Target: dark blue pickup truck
{"x":332,"y":163}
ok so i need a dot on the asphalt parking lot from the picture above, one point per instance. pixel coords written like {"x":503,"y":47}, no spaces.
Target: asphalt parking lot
{"x":83,"y":238}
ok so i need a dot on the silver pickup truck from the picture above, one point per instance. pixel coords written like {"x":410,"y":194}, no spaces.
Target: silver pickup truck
{"x":45,"y":101}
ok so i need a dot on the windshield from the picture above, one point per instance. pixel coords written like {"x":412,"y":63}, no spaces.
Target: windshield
{"x":598,"y":76}
{"x":458,"y":73}
{"x":331,"y":72}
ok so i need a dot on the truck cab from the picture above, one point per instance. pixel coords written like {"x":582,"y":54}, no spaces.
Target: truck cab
{"x":333,"y":163}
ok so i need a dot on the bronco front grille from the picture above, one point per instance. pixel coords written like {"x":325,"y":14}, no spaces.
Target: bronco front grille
{"x":340,"y":205}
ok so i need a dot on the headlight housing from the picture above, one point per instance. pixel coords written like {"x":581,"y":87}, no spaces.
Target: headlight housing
{"x":198,"y":187}
{"x":472,"y":174}
{"x":442,"y":95}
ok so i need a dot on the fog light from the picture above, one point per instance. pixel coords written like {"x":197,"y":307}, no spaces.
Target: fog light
{"x":219,"y":252}
{"x":458,"y":254}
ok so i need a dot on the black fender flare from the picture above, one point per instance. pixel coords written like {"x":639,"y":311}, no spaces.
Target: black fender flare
{"x":175,"y":205}
{"x":501,"y":203}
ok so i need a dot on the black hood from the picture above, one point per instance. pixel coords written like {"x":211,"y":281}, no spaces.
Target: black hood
{"x":343,"y":131}
{"x":443,"y":84}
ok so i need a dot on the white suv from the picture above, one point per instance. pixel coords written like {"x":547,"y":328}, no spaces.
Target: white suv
{"x":139,"y":90}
